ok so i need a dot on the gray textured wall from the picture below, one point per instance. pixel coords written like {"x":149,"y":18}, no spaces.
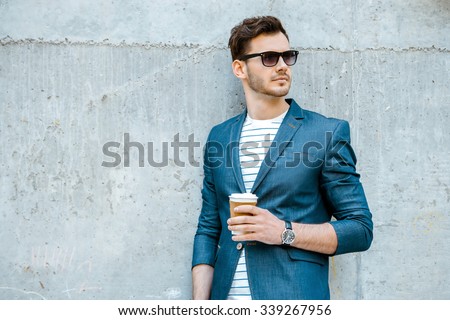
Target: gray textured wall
{"x":76,"y":75}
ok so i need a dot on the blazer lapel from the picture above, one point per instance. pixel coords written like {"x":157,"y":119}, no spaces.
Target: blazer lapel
{"x":288,"y":128}
{"x":233,"y":150}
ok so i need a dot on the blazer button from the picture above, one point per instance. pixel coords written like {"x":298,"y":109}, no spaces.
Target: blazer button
{"x":239,"y":246}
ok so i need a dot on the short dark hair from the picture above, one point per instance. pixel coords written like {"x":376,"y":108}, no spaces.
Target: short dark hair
{"x":249,"y":29}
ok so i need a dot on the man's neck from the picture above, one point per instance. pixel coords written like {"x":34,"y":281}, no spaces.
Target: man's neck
{"x":268,"y":108}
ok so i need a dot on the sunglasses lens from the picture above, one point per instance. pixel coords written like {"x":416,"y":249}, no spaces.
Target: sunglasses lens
{"x":290,"y":57}
{"x":270,"y":59}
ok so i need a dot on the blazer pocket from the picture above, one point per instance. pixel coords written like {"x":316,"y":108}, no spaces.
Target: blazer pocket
{"x":302,"y":255}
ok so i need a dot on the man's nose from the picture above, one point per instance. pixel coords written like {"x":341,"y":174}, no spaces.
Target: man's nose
{"x":281,"y":64}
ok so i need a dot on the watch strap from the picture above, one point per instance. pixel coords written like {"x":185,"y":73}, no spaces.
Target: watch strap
{"x":288,"y":225}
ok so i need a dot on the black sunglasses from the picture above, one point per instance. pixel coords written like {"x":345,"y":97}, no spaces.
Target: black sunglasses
{"x":270,"y":58}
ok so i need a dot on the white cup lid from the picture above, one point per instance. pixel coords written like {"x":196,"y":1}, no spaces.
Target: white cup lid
{"x":243,"y":197}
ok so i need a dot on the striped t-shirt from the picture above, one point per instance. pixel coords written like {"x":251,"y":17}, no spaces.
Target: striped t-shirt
{"x":256,"y":138}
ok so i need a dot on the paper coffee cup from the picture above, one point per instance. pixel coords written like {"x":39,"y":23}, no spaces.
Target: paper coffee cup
{"x":240,"y":199}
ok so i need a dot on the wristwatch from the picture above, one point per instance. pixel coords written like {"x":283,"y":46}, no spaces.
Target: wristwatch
{"x":288,"y":235}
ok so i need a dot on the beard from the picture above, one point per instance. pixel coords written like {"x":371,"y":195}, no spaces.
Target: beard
{"x":257,"y":84}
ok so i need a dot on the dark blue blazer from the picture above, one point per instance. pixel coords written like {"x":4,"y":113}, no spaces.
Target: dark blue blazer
{"x":307,"y":176}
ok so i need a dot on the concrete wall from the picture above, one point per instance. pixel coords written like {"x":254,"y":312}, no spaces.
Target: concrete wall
{"x":76,"y":75}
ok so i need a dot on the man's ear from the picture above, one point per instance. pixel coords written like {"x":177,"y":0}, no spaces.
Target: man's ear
{"x":239,"y":69}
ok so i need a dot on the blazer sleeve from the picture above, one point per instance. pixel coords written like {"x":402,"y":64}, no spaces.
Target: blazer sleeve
{"x":209,"y":226}
{"x":344,"y":194}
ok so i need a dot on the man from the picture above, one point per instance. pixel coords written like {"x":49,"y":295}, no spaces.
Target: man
{"x":305,"y":178}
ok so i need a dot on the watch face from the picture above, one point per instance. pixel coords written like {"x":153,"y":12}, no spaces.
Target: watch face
{"x":288,"y":236}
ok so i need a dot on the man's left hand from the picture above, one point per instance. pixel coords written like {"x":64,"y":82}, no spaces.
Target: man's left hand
{"x":260,"y":226}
